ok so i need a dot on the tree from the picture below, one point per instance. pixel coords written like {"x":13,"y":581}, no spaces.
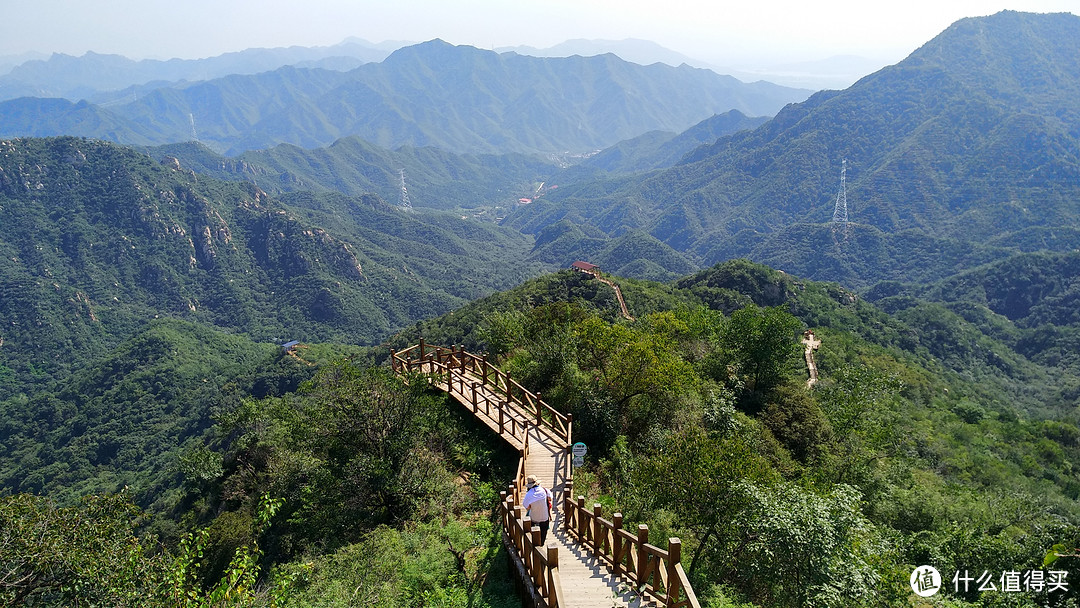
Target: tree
{"x":705,"y":480}
{"x":87,"y":553}
{"x":760,"y":343}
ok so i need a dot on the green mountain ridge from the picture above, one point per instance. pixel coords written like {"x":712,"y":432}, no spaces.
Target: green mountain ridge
{"x":435,"y":179}
{"x":961,"y":141}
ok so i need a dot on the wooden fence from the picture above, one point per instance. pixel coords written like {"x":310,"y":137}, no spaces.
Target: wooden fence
{"x":511,"y":409}
{"x":650,"y":569}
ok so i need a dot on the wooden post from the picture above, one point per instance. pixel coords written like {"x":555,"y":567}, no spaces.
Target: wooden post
{"x":461,"y":357}
{"x":674,"y":557}
{"x":527,"y":543}
{"x":483,"y":373}
{"x":552,"y":567}
{"x":509,"y":393}
{"x":539,"y":412}
{"x":502,"y":509}
{"x":568,"y":501}
{"x":519,"y":515}
{"x":598,"y":528}
{"x":569,"y":427}
{"x":507,"y":520}
{"x":393,"y":361}
{"x":642,"y":555}
{"x":473,"y":396}
{"x":421,"y":354}
{"x":581,"y":519}
{"x":538,"y":569}
{"x":501,"y":409}
{"x":616,"y":544}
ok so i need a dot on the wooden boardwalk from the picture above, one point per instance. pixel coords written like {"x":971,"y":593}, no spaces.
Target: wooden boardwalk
{"x":586,"y":581}
{"x":587,"y":561}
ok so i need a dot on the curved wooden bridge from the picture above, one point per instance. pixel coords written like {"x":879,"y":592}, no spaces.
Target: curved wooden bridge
{"x":588,"y":561}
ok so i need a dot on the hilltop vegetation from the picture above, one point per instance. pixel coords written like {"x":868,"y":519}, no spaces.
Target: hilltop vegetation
{"x":928,"y":439}
{"x":896,"y":457}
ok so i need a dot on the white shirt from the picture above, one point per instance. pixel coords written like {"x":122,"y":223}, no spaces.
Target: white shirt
{"x":536,"y":503}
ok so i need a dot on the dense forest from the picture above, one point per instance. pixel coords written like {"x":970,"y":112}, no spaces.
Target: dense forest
{"x":321,"y":480}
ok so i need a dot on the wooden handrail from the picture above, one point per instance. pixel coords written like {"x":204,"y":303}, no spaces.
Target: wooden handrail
{"x":658,"y":572}
{"x":528,"y":405}
{"x":540,"y":563}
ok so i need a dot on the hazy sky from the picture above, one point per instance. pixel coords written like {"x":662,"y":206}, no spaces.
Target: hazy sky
{"x":721,"y":32}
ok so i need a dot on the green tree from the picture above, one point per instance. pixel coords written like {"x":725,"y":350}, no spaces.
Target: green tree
{"x":705,"y":480}
{"x":84,"y":554}
{"x":760,"y":343}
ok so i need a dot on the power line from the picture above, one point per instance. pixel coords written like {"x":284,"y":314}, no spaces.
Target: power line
{"x":839,"y":215}
{"x":406,"y":204}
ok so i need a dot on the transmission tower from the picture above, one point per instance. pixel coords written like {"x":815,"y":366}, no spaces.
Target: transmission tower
{"x":406,"y":204}
{"x":839,"y":215}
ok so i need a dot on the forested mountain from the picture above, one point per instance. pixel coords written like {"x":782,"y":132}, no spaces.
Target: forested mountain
{"x":434,"y":178}
{"x":441,"y":179}
{"x":434,"y":94}
{"x":969,"y":141}
{"x":143,"y":301}
{"x":659,"y":150}
{"x":97,"y":240}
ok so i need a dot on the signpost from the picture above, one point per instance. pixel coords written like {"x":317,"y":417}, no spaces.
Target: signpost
{"x":579,"y":450}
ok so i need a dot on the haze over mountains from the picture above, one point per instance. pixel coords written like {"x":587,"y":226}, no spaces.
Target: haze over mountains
{"x":459,"y":98}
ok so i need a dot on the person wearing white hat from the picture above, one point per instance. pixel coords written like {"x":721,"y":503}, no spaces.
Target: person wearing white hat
{"x":538,"y":505}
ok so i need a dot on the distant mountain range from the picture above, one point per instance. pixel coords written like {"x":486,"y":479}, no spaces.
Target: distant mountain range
{"x":963,"y":152}
{"x":489,"y":184}
{"x":95,"y":76}
{"x":114,"y":79}
{"x":837,"y":72}
{"x":457,"y":98}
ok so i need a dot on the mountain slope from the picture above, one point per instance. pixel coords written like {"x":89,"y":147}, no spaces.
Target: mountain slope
{"x":971,"y":138}
{"x":658,"y":150}
{"x":97,"y":240}
{"x":434,"y":178}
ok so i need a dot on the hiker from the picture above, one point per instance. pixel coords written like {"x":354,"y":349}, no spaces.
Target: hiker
{"x":538,"y":505}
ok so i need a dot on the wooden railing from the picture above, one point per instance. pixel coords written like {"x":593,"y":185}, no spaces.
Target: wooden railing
{"x":538,"y":563}
{"x":457,"y":363}
{"x":656,"y":572}
{"x":513,"y":409}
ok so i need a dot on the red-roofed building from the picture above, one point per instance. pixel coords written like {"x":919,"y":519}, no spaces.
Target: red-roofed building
{"x":585,"y":267}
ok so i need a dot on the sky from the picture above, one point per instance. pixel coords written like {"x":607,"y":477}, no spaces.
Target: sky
{"x":743,"y":34}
